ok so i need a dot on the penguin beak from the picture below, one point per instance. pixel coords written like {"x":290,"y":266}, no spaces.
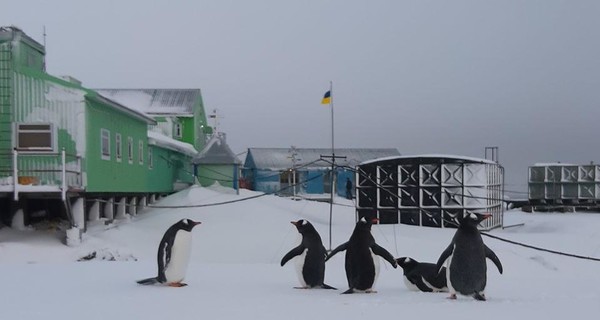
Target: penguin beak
{"x":487,"y":215}
{"x":374,"y":220}
{"x":294,"y":223}
{"x":197,"y":223}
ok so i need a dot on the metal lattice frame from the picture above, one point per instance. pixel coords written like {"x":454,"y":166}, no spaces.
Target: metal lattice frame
{"x":430,"y":191}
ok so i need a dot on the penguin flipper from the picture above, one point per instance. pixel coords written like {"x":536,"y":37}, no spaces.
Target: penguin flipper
{"x":341,"y":247}
{"x":293,"y":253}
{"x":380,"y":251}
{"x":492,"y":256}
{"x":443,"y":257}
{"x":148,"y":281}
{"x":417,"y":281}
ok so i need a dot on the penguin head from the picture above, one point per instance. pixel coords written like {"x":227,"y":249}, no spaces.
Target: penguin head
{"x":406,"y":262}
{"x":303,"y":226}
{"x":365,"y":224}
{"x":472,"y":219}
{"x":187,"y":224}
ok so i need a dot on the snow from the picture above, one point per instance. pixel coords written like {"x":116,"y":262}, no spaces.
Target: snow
{"x":234,"y":271}
{"x":161,"y":140}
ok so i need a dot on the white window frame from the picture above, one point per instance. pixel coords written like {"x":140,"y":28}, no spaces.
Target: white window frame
{"x":118,"y":147}
{"x":178,"y":130}
{"x":51,"y":130}
{"x":141,"y":152}
{"x":105,"y":144}
{"x":130,"y":149}
{"x":150,"y":158}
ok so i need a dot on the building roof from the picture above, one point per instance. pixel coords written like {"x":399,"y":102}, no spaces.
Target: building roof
{"x":158,"y":139}
{"x":216,"y":151}
{"x":12,"y":33}
{"x":129,"y":111}
{"x":179,"y":102}
{"x":280,"y":158}
{"x":435,"y":157}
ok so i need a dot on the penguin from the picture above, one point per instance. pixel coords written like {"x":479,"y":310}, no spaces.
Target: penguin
{"x":421,"y":276}
{"x":173,"y":254}
{"x":465,"y":258}
{"x":362,"y":265}
{"x":310,"y":253}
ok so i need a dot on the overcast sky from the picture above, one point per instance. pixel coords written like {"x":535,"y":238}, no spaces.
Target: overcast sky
{"x":448,"y":77}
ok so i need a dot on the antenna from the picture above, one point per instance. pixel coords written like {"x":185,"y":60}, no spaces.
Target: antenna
{"x":44,"y":61}
{"x":216,"y":118}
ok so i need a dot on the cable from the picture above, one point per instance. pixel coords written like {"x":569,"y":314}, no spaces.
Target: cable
{"x":540,"y":249}
{"x":236,"y":200}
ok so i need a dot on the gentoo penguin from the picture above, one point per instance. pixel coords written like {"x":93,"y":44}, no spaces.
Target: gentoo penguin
{"x":310,"y":253}
{"x":421,"y":276}
{"x":173,"y":254}
{"x":465,"y":258}
{"x":362,"y":265}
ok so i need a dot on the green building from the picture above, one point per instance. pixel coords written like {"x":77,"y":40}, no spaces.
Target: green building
{"x":62,"y":143}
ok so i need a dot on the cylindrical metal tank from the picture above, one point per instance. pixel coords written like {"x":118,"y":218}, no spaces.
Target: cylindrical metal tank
{"x":429,"y":190}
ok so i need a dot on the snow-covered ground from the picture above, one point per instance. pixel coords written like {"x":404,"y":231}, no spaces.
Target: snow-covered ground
{"x":235,"y":274}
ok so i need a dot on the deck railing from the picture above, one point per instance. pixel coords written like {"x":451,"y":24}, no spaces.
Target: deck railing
{"x":38,"y":172}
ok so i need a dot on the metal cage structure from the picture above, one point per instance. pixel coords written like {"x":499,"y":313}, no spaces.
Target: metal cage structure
{"x":430,"y":190}
{"x":564,"y":184}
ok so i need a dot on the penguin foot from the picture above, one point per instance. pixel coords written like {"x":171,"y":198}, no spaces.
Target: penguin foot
{"x":479,"y":296}
{"x":177,"y":284}
{"x":370,"y":291}
{"x":302,"y":287}
{"x":452,"y":296}
{"x":148,"y":281}
{"x":326,"y":286}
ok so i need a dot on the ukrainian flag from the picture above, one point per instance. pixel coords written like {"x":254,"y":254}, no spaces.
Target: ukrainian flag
{"x":326,"y":98}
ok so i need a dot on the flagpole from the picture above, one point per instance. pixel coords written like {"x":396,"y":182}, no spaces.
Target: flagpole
{"x":332,"y":161}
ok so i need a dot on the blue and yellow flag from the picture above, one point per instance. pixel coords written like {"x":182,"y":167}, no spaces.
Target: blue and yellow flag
{"x":326,"y":98}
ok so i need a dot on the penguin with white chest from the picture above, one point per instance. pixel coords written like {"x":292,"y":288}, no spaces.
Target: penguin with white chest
{"x":173,"y":254}
{"x":422,"y":276}
{"x":466,"y":269}
{"x":362,"y":263}
{"x":310,"y":257}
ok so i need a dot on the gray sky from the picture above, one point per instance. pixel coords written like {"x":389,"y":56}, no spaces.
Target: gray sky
{"x":422,"y":76}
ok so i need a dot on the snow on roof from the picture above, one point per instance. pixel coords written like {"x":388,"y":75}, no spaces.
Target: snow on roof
{"x":280,"y":158}
{"x":435,"y":156}
{"x":161,"y":140}
{"x":156,"y":101}
{"x":553,"y":164}
{"x":216,"y":151}
{"x":123,"y":108}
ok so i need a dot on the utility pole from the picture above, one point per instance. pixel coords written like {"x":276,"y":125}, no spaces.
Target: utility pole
{"x":294,"y":156}
{"x":332,"y":158}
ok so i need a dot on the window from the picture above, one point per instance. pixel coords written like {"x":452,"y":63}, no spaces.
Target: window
{"x":35,"y":137}
{"x":178,"y":130}
{"x":105,"y":144}
{"x":130,"y":149}
{"x":141,"y":151}
{"x":118,"y":146}
{"x":150,"y":161}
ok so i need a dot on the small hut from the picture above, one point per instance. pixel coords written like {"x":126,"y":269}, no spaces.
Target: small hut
{"x":216,"y":163}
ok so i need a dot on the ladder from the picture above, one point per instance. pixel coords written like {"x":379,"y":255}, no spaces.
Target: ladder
{"x":6,"y":93}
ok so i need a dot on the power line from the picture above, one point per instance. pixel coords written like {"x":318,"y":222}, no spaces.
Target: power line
{"x":233,"y":201}
{"x":540,"y":249}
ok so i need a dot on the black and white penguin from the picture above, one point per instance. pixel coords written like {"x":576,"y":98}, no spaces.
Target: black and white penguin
{"x":362,"y":265}
{"x":465,"y":258}
{"x":173,"y":254}
{"x":421,"y":276}
{"x":310,"y":257}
